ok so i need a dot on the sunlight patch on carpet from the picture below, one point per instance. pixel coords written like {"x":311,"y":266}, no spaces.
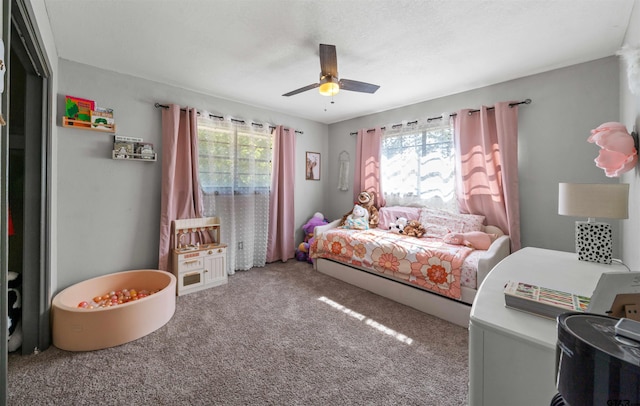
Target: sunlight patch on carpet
{"x":369,"y":322}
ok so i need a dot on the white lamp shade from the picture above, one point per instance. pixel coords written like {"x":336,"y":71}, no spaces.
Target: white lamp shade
{"x":602,"y":200}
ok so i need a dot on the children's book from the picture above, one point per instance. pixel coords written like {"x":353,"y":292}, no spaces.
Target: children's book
{"x":77,"y":108}
{"x":542,"y":301}
{"x":102,"y":118}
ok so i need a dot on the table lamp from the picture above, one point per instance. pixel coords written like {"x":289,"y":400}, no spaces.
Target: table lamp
{"x":594,"y":200}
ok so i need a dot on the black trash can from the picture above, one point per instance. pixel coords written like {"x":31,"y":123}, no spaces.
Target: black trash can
{"x":595,"y":367}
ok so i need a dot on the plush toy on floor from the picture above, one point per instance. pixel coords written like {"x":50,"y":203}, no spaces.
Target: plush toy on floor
{"x":302,"y":252}
{"x":15,"y":311}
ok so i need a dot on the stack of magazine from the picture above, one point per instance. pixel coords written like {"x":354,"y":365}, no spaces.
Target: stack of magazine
{"x":542,"y":301}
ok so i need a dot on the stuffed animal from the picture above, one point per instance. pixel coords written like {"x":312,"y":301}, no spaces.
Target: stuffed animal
{"x":366,"y":200}
{"x":358,"y":219}
{"x":413,"y":229}
{"x":14,"y":281}
{"x":302,"y":252}
{"x":477,"y":240}
{"x":398,"y":226}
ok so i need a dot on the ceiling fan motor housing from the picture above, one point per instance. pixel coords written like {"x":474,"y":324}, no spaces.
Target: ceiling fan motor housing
{"x":329,"y":85}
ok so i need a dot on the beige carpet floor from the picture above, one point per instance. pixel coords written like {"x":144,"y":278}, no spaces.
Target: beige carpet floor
{"x":279,"y":335}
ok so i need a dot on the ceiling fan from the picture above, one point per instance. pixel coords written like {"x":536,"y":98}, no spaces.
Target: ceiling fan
{"x":329,"y":83}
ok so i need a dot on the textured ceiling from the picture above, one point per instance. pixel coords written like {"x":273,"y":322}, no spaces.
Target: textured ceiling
{"x":253,"y":51}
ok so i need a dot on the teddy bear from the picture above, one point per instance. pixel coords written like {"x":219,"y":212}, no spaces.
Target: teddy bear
{"x":398,"y":226}
{"x":413,"y":229}
{"x":302,"y":252}
{"x":358,"y":219}
{"x":473,"y":239}
{"x":367,"y":201}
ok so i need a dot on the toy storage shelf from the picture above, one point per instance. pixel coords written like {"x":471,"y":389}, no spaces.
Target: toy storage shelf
{"x":84,"y":125}
{"x":134,"y":157}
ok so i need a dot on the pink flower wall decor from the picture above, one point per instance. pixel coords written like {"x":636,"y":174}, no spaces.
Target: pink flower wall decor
{"x":618,"y":153}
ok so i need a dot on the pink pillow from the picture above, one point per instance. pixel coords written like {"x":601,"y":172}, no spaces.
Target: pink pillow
{"x":474,"y":239}
{"x":389,"y":214}
{"x":440,"y":222}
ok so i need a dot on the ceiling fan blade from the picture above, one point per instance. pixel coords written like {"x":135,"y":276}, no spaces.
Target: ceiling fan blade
{"x":302,"y":89}
{"x":328,"y":60}
{"x":355,"y":86}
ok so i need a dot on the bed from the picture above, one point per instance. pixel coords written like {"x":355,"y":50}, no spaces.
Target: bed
{"x":425,"y":273}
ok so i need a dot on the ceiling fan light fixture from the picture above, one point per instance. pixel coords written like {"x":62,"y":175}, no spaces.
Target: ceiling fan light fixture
{"x":329,"y":86}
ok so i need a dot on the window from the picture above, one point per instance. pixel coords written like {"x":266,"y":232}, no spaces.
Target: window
{"x":234,"y":165}
{"x":233,"y":159}
{"x":418,"y":167}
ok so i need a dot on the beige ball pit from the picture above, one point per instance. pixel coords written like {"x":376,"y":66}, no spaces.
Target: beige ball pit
{"x":76,"y":329}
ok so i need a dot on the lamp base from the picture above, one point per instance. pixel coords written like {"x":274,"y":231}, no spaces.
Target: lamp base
{"x":594,"y":242}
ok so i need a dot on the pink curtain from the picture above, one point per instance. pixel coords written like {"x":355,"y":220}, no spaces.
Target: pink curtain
{"x":181,"y":195}
{"x":487,"y":170}
{"x":367,"y":172}
{"x":281,"y":243}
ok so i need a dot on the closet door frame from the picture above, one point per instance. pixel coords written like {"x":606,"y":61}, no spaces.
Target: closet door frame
{"x":36,"y":286}
{"x":5,"y":23}
{"x":18,"y":15}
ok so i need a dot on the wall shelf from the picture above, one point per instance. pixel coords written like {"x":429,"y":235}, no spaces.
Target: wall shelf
{"x":85,"y":125}
{"x":134,"y":157}
{"x":109,"y":129}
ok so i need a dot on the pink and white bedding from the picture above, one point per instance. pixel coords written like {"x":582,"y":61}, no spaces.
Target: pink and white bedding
{"x":469,"y":270}
{"x":425,"y":262}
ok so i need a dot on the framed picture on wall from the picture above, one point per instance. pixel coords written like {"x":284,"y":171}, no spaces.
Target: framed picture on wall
{"x":312,"y":171}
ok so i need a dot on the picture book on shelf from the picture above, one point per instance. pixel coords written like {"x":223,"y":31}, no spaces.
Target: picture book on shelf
{"x":77,"y":108}
{"x":102,"y":118}
{"x":145,"y":150}
{"x":123,"y":149}
{"x":542,"y":301}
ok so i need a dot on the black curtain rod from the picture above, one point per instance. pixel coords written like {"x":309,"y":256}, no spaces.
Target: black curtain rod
{"x":525,"y":101}
{"x":233,"y":120}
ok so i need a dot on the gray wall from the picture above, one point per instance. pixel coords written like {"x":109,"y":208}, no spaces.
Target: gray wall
{"x":109,"y":210}
{"x":567,"y":103}
{"x":553,"y":129}
{"x":630,"y":117}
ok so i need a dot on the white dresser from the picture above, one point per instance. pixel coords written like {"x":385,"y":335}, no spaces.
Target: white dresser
{"x":512,"y":353}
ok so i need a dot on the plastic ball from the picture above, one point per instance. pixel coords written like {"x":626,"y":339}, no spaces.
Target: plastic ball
{"x":116,"y":297}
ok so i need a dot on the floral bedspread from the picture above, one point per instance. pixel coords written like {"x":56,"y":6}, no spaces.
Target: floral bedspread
{"x":425,"y":262}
